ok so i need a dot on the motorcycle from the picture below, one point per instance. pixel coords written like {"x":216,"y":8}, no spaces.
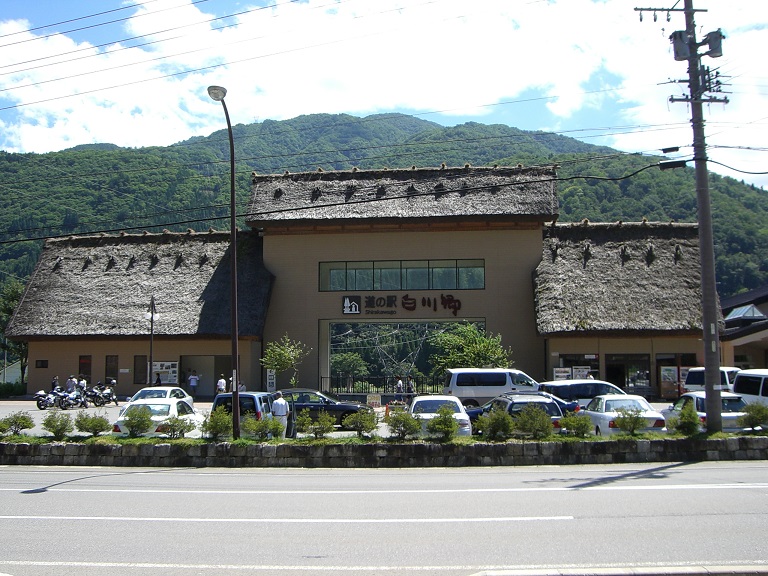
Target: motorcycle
{"x":94,"y":396}
{"x":50,"y":399}
{"x":107,"y":392}
{"x":73,"y":399}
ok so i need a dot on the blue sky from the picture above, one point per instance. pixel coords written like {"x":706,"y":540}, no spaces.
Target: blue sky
{"x":134,"y":73}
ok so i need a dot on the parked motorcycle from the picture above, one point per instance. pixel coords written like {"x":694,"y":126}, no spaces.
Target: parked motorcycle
{"x":94,"y":396}
{"x":50,"y":399}
{"x":107,"y":392}
{"x":73,"y":399}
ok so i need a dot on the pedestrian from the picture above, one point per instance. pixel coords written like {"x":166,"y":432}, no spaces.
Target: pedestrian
{"x":71,"y":383}
{"x":158,"y":380}
{"x":82,"y":383}
{"x":399,"y":389}
{"x":193,"y":380}
{"x":409,"y":389}
{"x":54,"y":383}
{"x":280,"y":411}
{"x":221,"y":385}
{"x":240,"y":387}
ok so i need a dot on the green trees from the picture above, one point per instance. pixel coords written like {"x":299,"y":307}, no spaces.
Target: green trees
{"x":463,"y":345}
{"x":285,"y":354}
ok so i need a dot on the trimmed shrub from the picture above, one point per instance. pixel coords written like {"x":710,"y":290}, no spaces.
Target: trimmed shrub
{"x":496,"y":425}
{"x":218,"y":424}
{"x":629,"y":420}
{"x":93,"y":424}
{"x":17,"y":422}
{"x":323,"y":425}
{"x":534,"y":420}
{"x":176,"y":427}
{"x":58,"y":423}
{"x":362,"y":422}
{"x":262,"y":429}
{"x":402,"y":424}
{"x":138,"y":420}
{"x":755,"y":415}
{"x":444,"y":426}
{"x":576,"y":425}
{"x":688,"y":422}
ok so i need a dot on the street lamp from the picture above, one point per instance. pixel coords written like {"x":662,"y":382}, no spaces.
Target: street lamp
{"x":217,"y":93}
{"x":150,"y":315}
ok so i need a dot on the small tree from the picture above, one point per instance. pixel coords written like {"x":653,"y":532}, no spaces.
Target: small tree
{"x":755,"y":415}
{"x":138,"y":420}
{"x":496,"y":425}
{"x":324,"y":424}
{"x":17,"y":422}
{"x":534,"y":420}
{"x":362,"y":422}
{"x":464,"y":345}
{"x":576,"y":425}
{"x":58,"y":423}
{"x":402,"y":424}
{"x":688,"y":422}
{"x":176,"y":427}
{"x":93,"y":424}
{"x":284,"y":355}
{"x":262,"y":429}
{"x":444,"y":426}
{"x":218,"y":424}
{"x":629,"y":420}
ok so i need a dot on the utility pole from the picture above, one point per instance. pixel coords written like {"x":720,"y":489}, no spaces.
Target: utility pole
{"x":700,"y":82}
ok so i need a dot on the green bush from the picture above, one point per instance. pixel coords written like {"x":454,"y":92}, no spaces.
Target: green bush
{"x":58,"y":423}
{"x":303,"y":421}
{"x":629,"y":420}
{"x":175,"y":427}
{"x":138,"y":420}
{"x":323,"y":425}
{"x":496,"y":425}
{"x":534,"y":420}
{"x":218,"y":424}
{"x":688,"y":422}
{"x":402,"y":424}
{"x":755,"y":415}
{"x":362,"y":422}
{"x":93,"y":424}
{"x":576,"y":425}
{"x":262,"y":429}
{"x":17,"y":422}
{"x":3,"y":426}
{"x":444,"y":426}
{"x":8,"y":389}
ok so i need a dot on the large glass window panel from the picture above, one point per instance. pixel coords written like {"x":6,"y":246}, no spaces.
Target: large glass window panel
{"x":333,"y":276}
{"x":386,"y":275}
{"x":471,"y":274}
{"x":360,"y":276}
{"x":415,"y":275}
{"x":442,"y":274}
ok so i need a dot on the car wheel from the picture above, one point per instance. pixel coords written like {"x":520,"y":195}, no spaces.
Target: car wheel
{"x":471,"y":404}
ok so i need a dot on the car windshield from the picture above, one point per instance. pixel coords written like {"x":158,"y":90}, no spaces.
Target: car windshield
{"x":626,"y":404}
{"x":157,"y":409}
{"x":431,"y":406}
{"x":141,"y":394}
{"x":548,"y":407}
{"x":733,"y":405}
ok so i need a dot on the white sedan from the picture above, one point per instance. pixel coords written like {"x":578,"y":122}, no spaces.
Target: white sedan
{"x":161,"y":409}
{"x":159,"y":392}
{"x":732,"y":409}
{"x":603,"y":411}
{"x":425,"y":409}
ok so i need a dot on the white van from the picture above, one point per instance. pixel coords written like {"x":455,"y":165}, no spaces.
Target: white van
{"x":752,"y":385}
{"x":694,"y":380}
{"x":476,"y":386}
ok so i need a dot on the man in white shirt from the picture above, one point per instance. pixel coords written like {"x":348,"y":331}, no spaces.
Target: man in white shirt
{"x":221,"y":385}
{"x":280,"y":411}
{"x":193,"y":380}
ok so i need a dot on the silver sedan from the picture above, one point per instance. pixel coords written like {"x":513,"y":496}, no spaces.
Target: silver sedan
{"x":603,"y":411}
{"x":732,"y":409}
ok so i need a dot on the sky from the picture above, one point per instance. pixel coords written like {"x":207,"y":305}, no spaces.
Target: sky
{"x":134,"y":73}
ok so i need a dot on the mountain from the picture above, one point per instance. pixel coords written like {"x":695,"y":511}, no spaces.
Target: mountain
{"x":103,"y":187}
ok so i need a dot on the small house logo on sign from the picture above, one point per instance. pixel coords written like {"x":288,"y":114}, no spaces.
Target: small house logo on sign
{"x":351,"y":305}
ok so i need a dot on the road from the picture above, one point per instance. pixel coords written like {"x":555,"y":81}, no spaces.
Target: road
{"x":451,"y":522}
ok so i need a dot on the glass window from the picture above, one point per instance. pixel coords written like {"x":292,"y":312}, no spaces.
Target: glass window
{"x":747,"y":385}
{"x":110,"y":368}
{"x":140,"y":370}
{"x":442,"y":274}
{"x":84,"y":366}
{"x":333,"y":276}
{"x":386,"y":275}
{"x":360,"y":276}
{"x":415,"y":275}
{"x":471,"y":274}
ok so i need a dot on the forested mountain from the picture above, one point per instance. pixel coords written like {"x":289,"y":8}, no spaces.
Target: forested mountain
{"x":103,"y":187}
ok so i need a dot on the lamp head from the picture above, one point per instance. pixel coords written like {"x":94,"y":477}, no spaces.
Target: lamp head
{"x":217,"y":93}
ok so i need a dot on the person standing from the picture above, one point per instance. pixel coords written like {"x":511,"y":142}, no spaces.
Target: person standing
{"x":280,"y":411}
{"x":193,"y":380}
{"x":221,"y":385}
{"x":399,"y":389}
{"x":409,"y":389}
{"x":158,"y":380}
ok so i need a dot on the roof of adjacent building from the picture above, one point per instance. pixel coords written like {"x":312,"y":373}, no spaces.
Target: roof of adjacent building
{"x":88,"y":286}
{"x":622,"y":277}
{"x":402,"y":196}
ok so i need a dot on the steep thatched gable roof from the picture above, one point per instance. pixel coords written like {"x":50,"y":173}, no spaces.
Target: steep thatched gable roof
{"x":102,"y":285}
{"x":623,"y":278}
{"x":458,"y":194}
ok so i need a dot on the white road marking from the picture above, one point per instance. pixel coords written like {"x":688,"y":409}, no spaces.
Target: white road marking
{"x":296,"y":520}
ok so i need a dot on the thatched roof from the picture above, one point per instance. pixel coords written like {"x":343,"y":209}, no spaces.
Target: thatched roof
{"x":450,"y":194}
{"x":102,"y":285}
{"x":624,"y":278}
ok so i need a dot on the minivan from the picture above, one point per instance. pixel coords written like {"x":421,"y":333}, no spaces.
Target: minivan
{"x":578,"y":390}
{"x":752,"y":385}
{"x":476,"y":386}
{"x":255,"y":404}
{"x":694,"y":380}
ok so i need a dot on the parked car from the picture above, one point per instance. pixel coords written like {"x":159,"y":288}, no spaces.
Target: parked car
{"x":515,"y":403}
{"x":316,"y":402}
{"x":474,"y":386}
{"x":752,"y":385}
{"x":161,"y":409}
{"x":604,"y":409}
{"x":425,"y":409}
{"x":732,"y":409}
{"x":256,"y":404}
{"x":579,"y":390}
{"x":694,"y":380}
{"x":158,"y":392}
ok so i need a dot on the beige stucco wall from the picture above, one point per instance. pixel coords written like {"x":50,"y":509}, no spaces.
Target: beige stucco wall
{"x":299,"y":309}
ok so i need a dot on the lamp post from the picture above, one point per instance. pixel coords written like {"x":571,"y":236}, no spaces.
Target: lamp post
{"x":150,"y":315}
{"x":217,"y":93}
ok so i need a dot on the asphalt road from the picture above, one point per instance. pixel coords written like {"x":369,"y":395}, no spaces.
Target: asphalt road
{"x":95,"y":521}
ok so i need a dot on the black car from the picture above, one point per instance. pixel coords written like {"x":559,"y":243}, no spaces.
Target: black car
{"x":315,"y":401}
